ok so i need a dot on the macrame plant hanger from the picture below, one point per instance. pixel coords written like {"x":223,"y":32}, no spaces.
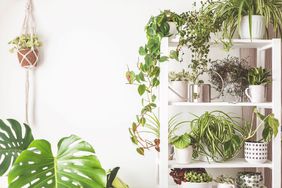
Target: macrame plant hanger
{"x":28,"y":57}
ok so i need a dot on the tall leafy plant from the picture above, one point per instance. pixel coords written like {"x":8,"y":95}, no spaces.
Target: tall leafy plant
{"x":75,"y":165}
{"x":14,"y":138}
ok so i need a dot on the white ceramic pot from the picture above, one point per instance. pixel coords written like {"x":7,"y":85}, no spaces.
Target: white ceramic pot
{"x":225,"y":185}
{"x":255,"y":152}
{"x":172,"y":29}
{"x":195,"y":185}
{"x":258,"y":27}
{"x":184,"y":156}
{"x":177,"y":91}
{"x":256,"y":93}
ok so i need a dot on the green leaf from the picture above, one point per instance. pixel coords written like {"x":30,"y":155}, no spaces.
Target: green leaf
{"x":111,"y":177}
{"x":12,"y":142}
{"x":74,"y":166}
{"x":173,"y":55}
{"x":140,"y":151}
{"x":142,"y":51}
{"x":163,"y":59}
{"x":134,"y":140}
{"x":141,"y":89}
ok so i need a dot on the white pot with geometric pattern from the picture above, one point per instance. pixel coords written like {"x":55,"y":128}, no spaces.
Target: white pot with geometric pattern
{"x":255,"y":152}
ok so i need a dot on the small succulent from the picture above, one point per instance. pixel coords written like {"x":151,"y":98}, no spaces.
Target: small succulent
{"x":258,"y":76}
{"x":25,"y":41}
{"x":197,"y":177}
{"x":179,"y":174}
{"x":179,"y":76}
{"x":225,"y":179}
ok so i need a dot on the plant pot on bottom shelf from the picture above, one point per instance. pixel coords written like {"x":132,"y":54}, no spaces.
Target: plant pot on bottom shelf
{"x":257,"y":27}
{"x":195,"y":185}
{"x":28,"y":57}
{"x":255,"y":152}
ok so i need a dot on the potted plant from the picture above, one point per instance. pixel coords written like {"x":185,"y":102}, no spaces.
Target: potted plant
{"x":194,"y":179}
{"x":178,"y":86}
{"x":179,"y":175}
{"x":234,"y":73}
{"x":257,"y":79}
{"x":217,"y":136}
{"x":183,"y":148}
{"x":249,"y":179}
{"x":225,"y":182}
{"x":26,"y":47}
{"x":173,"y":20}
{"x":250,"y":17}
{"x":256,"y":151}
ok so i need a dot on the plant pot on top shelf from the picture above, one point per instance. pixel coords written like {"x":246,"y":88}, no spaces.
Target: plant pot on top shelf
{"x":257,"y":27}
{"x":256,"y":151}
{"x":26,"y":46}
{"x":183,"y":148}
{"x":257,"y":79}
{"x":178,"y":86}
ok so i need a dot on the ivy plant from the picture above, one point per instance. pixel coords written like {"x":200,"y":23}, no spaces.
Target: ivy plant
{"x":146,"y":78}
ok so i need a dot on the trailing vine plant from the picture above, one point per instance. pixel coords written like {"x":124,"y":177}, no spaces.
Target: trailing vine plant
{"x":195,"y":34}
{"x":146,"y":78}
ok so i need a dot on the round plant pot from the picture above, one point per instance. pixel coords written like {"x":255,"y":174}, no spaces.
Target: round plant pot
{"x":255,"y":152}
{"x":225,"y":185}
{"x":258,"y":27}
{"x":249,"y":179}
{"x":184,"y":156}
{"x":177,"y":91}
{"x":28,"y":57}
{"x":256,"y":93}
{"x":195,"y":185}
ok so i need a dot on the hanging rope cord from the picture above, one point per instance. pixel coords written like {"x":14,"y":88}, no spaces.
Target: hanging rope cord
{"x":28,"y":28}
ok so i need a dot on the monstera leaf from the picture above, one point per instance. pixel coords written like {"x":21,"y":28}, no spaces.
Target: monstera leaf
{"x":74,"y":166}
{"x":12,"y":142}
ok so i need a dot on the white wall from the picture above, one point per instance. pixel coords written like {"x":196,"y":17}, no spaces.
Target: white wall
{"x":80,"y":86}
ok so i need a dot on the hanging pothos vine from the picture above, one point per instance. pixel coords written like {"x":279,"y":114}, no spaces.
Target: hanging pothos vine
{"x":147,"y":77}
{"x":194,"y":28}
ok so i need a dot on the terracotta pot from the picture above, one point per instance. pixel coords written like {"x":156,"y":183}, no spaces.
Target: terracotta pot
{"x":28,"y":57}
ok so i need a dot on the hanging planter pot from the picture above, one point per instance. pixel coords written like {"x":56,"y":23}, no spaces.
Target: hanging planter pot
{"x":28,"y":57}
{"x":255,"y":152}
{"x":258,"y":27}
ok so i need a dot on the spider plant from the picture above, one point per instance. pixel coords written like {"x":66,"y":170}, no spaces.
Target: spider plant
{"x":217,"y":135}
{"x":230,"y":13}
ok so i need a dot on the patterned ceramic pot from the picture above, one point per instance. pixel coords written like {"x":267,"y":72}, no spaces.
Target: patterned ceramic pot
{"x":249,"y":180}
{"x":255,"y":152}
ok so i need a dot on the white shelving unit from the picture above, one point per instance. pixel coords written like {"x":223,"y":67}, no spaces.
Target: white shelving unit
{"x":275,"y":165}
